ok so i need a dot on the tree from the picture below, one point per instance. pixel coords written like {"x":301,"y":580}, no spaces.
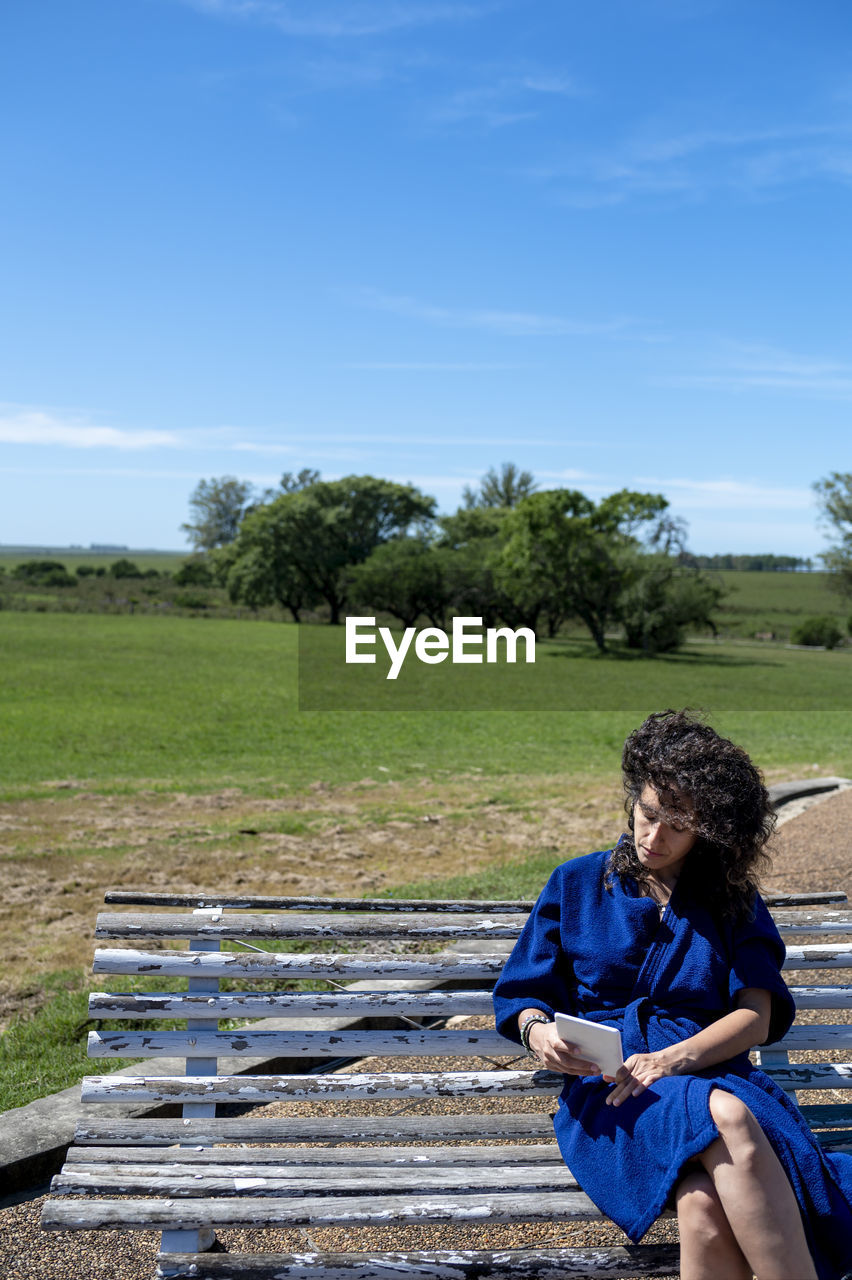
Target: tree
{"x":579,"y":555}
{"x":306,"y":477}
{"x":303,"y":544}
{"x":125,"y":568}
{"x":834,"y":495}
{"x":406,"y":577}
{"x":193,"y":573}
{"x":661,"y":599}
{"x":500,"y":490}
{"x":218,"y":507}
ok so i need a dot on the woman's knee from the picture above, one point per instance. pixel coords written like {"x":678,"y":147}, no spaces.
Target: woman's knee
{"x":737,"y":1126}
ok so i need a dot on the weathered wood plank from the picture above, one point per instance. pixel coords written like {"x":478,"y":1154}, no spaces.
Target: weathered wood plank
{"x":191,"y":1215}
{"x":839,"y":997}
{"x":372,"y":967}
{"x":261,"y":902}
{"x":819,"y":1036}
{"x":289,"y":1004}
{"x":452,"y":1042}
{"x":299,"y":1044}
{"x":835,"y":956}
{"x":342,"y":967}
{"x":372,"y":1129}
{"x":826,"y":1115}
{"x":235,"y":1180}
{"x":442,"y":1264}
{"x":294,"y":1158}
{"x":426,"y":927}
{"x":420,"y":926}
{"x":812,"y":1075}
{"x":247,"y":1089}
{"x":266,"y":902}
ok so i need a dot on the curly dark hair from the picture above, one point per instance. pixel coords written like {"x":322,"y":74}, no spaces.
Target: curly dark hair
{"x":708,"y":785}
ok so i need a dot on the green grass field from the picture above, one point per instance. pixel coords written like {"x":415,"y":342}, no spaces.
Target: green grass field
{"x":776,"y":602}
{"x":116,"y":702}
{"x":161,"y":560}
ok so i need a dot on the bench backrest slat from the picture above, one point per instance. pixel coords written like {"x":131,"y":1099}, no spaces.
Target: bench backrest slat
{"x":419,"y":926}
{"x":455,"y":1042}
{"x":373,"y":966}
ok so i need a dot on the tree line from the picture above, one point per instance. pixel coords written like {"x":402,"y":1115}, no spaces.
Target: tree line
{"x":510,"y":554}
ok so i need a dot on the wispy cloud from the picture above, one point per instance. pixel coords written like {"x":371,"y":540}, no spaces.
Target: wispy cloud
{"x":36,"y":427}
{"x":502,"y":99}
{"x":760,"y":368}
{"x":692,"y":164}
{"x":726,"y":493}
{"x":338,"y":19}
{"x":490,"y":320}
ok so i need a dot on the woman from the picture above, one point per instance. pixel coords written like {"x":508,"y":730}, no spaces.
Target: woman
{"x":666,"y":938}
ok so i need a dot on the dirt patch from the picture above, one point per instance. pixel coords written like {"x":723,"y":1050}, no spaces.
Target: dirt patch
{"x":60,"y":853}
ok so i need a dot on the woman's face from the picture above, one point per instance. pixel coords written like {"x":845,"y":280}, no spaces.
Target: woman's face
{"x":661,"y":845}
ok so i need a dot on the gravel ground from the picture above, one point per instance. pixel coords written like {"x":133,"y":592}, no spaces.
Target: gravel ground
{"x":813,"y":850}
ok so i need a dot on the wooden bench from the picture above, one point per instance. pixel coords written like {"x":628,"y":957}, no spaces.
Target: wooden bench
{"x":197,"y":1172}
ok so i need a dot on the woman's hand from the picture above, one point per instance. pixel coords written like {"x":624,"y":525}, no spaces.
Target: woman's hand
{"x":640,"y":1070}
{"x":556,"y":1054}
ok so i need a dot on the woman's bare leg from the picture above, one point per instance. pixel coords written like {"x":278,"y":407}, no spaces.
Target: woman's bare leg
{"x":708,"y":1246}
{"x":755,"y":1194}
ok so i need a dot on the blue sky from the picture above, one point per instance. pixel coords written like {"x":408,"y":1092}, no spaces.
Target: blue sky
{"x":417,"y":238}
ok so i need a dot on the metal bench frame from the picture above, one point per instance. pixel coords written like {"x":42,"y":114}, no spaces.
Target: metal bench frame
{"x":179,"y":1181}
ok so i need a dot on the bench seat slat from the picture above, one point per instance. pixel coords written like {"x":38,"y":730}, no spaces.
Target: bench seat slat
{"x":299,"y":1044}
{"x":191,"y":1214}
{"x":482,"y":1126}
{"x":288,"y":1004}
{"x":252,"y":1090}
{"x":174,"y":1180}
{"x":282,"y":1162}
{"x":319,"y":1157}
{"x":436,"y":1264}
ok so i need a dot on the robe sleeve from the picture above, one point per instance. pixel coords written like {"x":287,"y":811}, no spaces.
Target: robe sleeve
{"x":537,"y":974}
{"x":758,"y":953}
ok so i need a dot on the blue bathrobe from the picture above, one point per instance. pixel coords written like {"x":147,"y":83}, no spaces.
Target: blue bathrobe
{"x":605,"y":954}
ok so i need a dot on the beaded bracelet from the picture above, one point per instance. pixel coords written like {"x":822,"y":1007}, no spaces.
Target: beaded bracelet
{"x":527,"y":1025}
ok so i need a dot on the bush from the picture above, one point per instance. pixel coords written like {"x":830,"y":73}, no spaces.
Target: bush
{"x":125,"y":569}
{"x":191,"y":600}
{"x":85,"y":570}
{"x":43,"y":573}
{"x":661,"y":604}
{"x":822,"y":630}
{"x":193,"y":573}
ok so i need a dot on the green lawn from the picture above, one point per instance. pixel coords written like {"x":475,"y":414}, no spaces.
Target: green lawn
{"x":161,"y":560}
{"x":118,"y":701}
{"x":776,"y":602}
